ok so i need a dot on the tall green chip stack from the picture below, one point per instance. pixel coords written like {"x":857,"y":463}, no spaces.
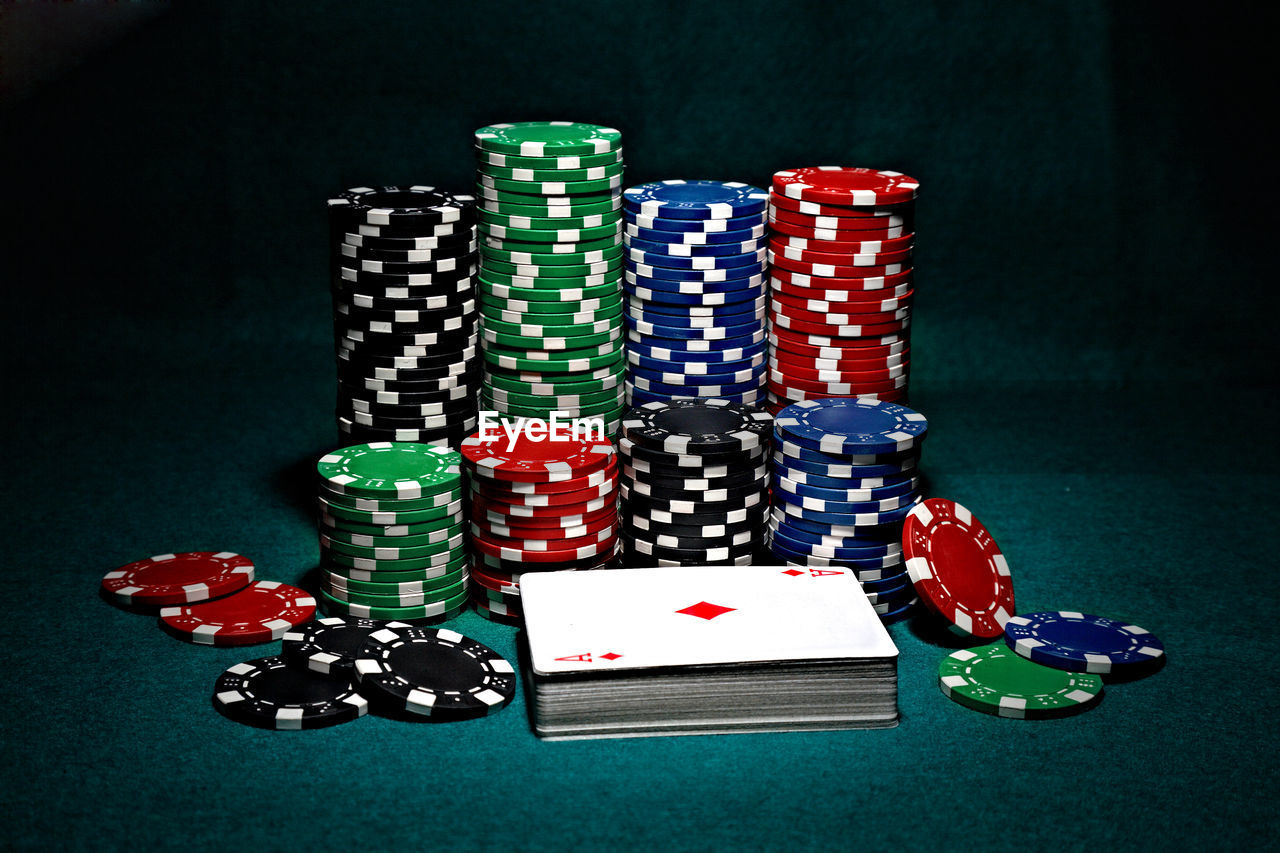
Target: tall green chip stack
{"x":549,"y":197}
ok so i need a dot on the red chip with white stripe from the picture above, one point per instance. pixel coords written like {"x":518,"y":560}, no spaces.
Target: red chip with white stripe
{"x":259,"y":613}
{"x":179,"y":578}
{"x":845,"y":185}
{"x":957,"y":568}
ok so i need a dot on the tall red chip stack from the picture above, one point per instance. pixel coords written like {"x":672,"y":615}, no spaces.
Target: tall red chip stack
{"x":841,"y":284}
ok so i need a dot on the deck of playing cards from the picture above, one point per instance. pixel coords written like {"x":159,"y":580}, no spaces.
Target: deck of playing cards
{"x":703,"y":650}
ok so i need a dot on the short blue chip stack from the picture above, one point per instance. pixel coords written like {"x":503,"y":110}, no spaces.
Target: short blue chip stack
{"x":695,"y":279}
{"x":844,"y":478}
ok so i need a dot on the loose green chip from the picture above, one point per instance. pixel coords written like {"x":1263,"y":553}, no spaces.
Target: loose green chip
{"x":994,"y":679}
{"x":386,"y":469}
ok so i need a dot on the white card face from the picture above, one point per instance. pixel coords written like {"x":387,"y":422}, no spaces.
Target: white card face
{"x":628,"y":618}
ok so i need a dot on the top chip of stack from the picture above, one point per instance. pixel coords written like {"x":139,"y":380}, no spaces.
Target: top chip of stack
{"x":844,"y":479}
{"x":392,"y":532}
{"x":694,"y":483}
{"x":551,"y":269}
{"x":404,"y":261}
{"x":695,"y":286}
{"x":840,"y":251}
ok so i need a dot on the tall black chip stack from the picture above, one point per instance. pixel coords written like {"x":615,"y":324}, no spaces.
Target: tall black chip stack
{"x":694,"y":483}
{"x":403,"y":283}
{"x":550,"y":289}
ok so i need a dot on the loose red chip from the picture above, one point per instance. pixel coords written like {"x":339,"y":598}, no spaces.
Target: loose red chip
{"x":259,"y":613}
{"x":179,"y":578}
{"x":957,"y":568}
{"x":845,"y":185}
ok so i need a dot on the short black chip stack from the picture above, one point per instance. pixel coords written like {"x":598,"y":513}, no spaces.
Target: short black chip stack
{"x":694,"y":483}
{"x":403,"y":283}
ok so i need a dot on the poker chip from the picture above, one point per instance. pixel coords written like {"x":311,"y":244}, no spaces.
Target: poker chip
{"x":392,"y":514}
{"x":327,"y":645}
{"x":957,"y":568}
{"x":550,"y":271}
{"x":259,"y":613}
{"x":435,"y":674}
{"x":419,"y":611}
{"x":839,"y":185}
{"x":166,"y":579}
{"x":539,"y":503}
{"x":995,"y":680}
{"x":844,"y":426}
{"x":675,"y":275}
{"x":270,"y":694}
{"x":1082,"y":642}
{"x":836,"y":233}
{"x":405,"y":313}
{"x":693,"y":482}
{"x":697,"y":200}
{"x":842,"y":485}
{"x":698,"y":426}
{"x":384,"y":470}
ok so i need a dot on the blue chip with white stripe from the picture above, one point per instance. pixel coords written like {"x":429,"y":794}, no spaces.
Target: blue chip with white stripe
{"x":698,"y":238}
{"x":1082,"y":642}
{"x":846,"y":425}
{"x":678,"y":199}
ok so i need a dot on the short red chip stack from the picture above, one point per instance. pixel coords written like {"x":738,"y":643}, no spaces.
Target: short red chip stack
{"x":841,"y":280}
{"x":548,"y":504}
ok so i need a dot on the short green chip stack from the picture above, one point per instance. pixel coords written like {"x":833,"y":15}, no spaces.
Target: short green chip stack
{"x":550,"y":292}
{"x":392,"y":532}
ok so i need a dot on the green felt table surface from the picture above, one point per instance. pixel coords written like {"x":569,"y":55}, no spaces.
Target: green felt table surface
{"x":1094,"y":347}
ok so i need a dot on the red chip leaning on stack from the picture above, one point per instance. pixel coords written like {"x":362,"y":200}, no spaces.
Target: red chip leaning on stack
{"x":537,"y":505}
{"x":957,"y":568}
{"x":841,"y":284}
